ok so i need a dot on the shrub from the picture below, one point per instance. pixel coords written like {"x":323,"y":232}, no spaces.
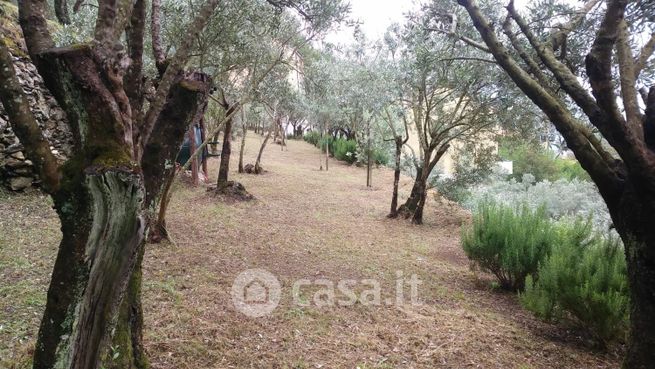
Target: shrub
{"x":329,"y":141}
{"x":508,"y":243}
{"x":345,"y":150}
{"x":585,"y":279}
{"x":380,"y":157}
{"x":570,"y":169}
{"x":312,"y":137}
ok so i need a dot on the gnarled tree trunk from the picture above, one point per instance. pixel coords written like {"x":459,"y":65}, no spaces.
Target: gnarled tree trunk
{"x":103,"y":193}
{"x":415,"y":203}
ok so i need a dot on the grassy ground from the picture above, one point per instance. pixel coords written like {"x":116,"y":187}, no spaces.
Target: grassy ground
{"x":308,"y":224}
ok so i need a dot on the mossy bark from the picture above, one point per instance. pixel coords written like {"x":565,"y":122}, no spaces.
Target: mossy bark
{"x":93,"y":315}
{"x":103,"y":225}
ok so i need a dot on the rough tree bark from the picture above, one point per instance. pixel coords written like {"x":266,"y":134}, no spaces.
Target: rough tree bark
{"x":626,"y":182}
{"x":103,"y":192}
{"x":226,"y":151}
{"x":413,"y":206}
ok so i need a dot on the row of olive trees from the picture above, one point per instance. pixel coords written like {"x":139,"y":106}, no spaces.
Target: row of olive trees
{"x":407,"y":84}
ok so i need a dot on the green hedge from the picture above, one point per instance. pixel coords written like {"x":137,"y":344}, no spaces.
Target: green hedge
{"x":340,"y":149}
{"x":312,"y":137}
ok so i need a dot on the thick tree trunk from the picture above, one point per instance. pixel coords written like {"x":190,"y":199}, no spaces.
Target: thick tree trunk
{"x":226,"y":152}
{"x":92,"y":317}
{"x":103,"y":228}
{"x":416,"y":202}
{"x":243,"y":146}
{"x":418,"y":192}
{"x":129,"y":328}
{"x":417,"y":218}
{"x":634,"y":219}
{"x":393,"y":213}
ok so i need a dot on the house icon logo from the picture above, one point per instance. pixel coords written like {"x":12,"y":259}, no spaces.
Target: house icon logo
{"x":256,"y":292}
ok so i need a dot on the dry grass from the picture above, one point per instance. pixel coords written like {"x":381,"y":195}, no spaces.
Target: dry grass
{"x":311,"y":224}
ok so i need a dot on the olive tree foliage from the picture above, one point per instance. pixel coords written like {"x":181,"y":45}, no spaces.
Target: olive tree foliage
{"x":441,"y":93}
{"x":590,"y":65}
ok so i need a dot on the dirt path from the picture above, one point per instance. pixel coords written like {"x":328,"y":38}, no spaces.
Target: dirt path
{"x":309,"y":224}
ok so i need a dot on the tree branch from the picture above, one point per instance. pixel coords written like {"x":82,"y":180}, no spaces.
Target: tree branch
{"x":599,"y":68}
{"x":31,"y":14}
{"x":644,"y":55}
{"x":628,"y":82}
{"x":61,"y":11}
{"x":605,"y":174}
{"x":534,"y":68}
{"x":155,"y":30}
{"x":558,"y":38}
{"x":566,"y":79}
{"x":107,"y":14}
{"x":133,"y":80}
{"x":172,"y":71}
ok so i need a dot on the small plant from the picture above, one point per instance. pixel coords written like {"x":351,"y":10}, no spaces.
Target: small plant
{"x":585,"y":279}
{"x":508,"y":243}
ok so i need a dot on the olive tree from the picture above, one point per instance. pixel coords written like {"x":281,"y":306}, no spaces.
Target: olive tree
{"x":603,"y":78}
{"x":102,"y":194}
{"x":445,"y":99}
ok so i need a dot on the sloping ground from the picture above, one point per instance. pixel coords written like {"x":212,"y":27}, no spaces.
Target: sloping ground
{"x":305,"y":224}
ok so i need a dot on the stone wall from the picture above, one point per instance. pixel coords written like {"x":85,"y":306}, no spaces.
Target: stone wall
{"x":16,"y":171}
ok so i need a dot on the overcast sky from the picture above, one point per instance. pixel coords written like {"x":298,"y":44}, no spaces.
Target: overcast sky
{"x":377,"y":15}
